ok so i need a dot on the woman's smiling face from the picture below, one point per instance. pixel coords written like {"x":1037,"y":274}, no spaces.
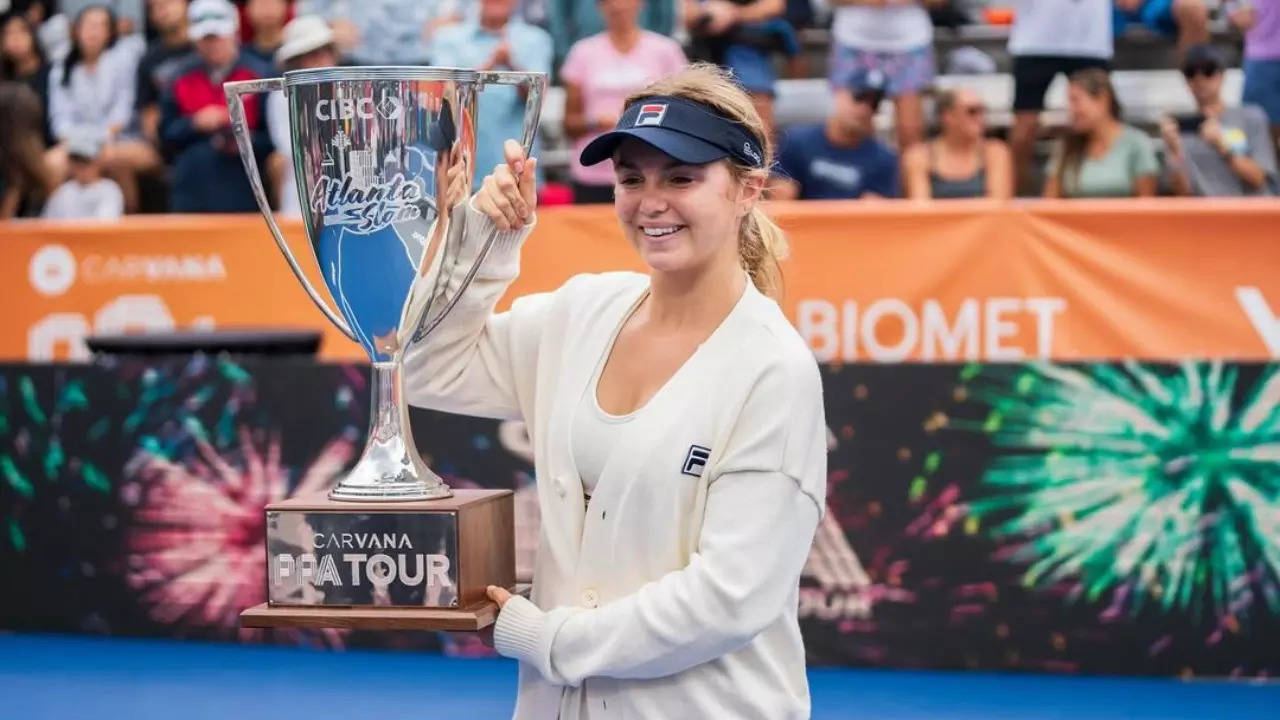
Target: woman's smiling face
{"x":678,"y":216}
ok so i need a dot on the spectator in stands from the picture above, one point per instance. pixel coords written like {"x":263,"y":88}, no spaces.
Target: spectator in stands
{"x":962,"y":162}
{"x":841,"y":157}
{"x":25,"y":179}
{"x":384,"y":32}
{"x":137,"y":152}
{"x":495,"y":40}
{"x":307,"y":43}
{"x":90,"y":88}
{"x":1187,"y":20}
{"x":600,"y":72}
{"x":1050,"y":38}
{"x":574,"y":21}
{"x":743,"y":36}
{"x":159,"y":65}
{"x":1220,"y":151}
{"x":92,"y":91}
{"x":897,"y":39}
{"x":571,"y":21}
{"x":22,"y":60}
{"x":1260,"y":21}
{"x":128,"y":19}
{"x":195,"y":127}
{"x":1100,"y":156}
{"x":87,"y":195}
{"x":266,"y":20}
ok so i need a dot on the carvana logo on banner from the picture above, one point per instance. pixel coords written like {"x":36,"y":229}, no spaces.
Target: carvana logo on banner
{"x":52,"y":270}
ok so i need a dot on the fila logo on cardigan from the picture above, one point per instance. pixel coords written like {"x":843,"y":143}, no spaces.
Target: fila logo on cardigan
{"x":696,"y":460}
{"x":650,"y":114}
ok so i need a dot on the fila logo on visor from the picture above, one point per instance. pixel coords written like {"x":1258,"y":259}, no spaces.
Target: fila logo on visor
{"x":651,"y":114}
{"x":696,"y":460}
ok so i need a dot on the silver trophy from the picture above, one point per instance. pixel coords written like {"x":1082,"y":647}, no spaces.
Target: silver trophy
{"x":382,"y":156}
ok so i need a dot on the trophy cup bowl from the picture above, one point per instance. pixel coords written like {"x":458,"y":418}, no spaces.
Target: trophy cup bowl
{"x":382,"y":158}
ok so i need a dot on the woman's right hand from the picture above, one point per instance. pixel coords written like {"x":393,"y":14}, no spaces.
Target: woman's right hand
{"x":507,"y":195}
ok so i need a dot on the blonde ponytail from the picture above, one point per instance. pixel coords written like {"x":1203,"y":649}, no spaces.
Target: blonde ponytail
{"x":761,"y":243}
{"x":762,"y":246}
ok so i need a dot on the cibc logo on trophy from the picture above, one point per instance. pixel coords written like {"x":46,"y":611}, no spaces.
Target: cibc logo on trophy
{"x":391,"y":545}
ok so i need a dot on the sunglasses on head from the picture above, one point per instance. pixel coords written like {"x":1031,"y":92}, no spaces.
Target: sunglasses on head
{"x":1206,"y":70}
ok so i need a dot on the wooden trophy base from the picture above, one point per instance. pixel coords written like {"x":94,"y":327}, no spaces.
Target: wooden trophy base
{"x":420,"y":565}
{"x":475,"y":617}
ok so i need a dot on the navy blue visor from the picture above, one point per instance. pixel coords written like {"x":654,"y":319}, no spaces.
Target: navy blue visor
{"x":686,"y":130}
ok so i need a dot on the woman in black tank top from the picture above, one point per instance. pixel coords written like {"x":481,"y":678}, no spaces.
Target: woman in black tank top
{"x":961,"y":162}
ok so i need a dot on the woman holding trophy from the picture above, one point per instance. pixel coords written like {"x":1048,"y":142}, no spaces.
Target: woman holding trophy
{"x":677,"y":424}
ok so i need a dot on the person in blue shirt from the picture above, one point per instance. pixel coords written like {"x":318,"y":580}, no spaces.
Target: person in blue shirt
{"x":839,"y":158}
{"x":494,"y":40}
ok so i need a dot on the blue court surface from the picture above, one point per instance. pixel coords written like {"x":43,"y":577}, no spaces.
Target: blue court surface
{"x":49,"y":676}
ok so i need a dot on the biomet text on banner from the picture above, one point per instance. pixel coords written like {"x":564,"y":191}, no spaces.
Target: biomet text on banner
{"x":865,"y":282}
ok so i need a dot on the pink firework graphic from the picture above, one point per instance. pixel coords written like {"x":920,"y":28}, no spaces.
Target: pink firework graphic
{"x":195,"y":548}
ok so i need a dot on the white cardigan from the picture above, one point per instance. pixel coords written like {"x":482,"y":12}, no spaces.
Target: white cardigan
{"x":674,"y":593}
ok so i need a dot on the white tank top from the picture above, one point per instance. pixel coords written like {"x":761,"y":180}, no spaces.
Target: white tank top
{"x":1073,"y":28}
{"x":595,"y":435}
{"x":882,"y":29}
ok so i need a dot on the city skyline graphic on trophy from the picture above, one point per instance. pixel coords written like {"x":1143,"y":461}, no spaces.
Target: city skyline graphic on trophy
{"x":375,"y":215}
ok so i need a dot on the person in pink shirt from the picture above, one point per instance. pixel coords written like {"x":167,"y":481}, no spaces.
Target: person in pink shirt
{"x":598,"y":74}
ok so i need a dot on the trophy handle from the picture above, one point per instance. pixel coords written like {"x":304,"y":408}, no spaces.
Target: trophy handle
{"x":535,"y":85}
{"x":239,"y":127}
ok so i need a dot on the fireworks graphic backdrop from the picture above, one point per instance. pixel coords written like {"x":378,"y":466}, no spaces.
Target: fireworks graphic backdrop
{"x":966,"y":526}
{"x":975,"y":493}
{"x":1157,"y":488}
{"x":194,"y":547}
{"x":58,"y":515}
{"x":33,"y":460}
{"x":141,"y":483}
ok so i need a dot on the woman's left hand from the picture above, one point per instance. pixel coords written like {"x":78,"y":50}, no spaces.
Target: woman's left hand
{"x":498,"y":595}
{"x":508,"y":195}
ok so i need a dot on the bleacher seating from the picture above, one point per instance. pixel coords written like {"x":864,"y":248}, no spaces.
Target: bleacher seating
{"x":1137,"y":49}
{"x":1147,"y":84}
{"x":1146,"y":95}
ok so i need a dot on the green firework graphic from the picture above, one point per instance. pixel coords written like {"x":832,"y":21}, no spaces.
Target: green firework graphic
{"x":1154,"y":485}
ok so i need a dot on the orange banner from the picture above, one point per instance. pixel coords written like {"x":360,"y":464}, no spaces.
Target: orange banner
{"x":880,"y":281}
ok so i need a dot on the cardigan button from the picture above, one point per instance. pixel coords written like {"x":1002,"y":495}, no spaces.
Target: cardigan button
{"x":559,"y":485}
{"x":590,"y":598}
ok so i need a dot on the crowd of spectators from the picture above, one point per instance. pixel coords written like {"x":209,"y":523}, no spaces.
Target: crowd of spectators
{"x":116,"y":106}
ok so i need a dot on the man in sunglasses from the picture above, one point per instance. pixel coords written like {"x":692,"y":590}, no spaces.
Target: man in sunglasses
{"x":1218,"y":151}
{"x":839,"y":158}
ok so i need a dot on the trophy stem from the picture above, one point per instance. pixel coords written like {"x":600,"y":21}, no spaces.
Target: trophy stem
{"x":389,"y":468}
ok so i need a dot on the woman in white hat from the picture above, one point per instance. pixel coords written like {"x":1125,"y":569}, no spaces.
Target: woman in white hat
{"x":308,"y":43}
